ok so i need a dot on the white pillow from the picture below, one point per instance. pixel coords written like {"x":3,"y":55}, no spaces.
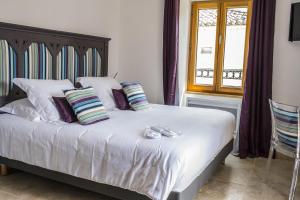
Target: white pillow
{"x":103,"y":87}
{"x":22,"y":108}
{"x":40,"y":93}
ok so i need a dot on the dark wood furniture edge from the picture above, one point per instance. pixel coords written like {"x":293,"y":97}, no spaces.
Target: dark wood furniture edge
{"x":23,"y":28}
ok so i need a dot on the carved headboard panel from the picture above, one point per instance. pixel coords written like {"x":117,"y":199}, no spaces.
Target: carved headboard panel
{"x":29,"y":52}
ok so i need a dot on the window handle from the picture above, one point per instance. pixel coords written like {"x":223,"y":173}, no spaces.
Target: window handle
{"x":220,"y":39}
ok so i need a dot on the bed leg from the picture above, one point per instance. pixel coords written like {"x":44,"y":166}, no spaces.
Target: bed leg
{"x":3,"y":170}
{"x":223,"y":162}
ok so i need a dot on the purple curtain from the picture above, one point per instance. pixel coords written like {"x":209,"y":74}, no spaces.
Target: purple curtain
{"x":170,"y":50}
{"x":255,"y":125}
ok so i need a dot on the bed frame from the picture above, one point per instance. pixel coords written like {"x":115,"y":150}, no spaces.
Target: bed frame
{"x":188,"y":194}
{"x":20,"y":37}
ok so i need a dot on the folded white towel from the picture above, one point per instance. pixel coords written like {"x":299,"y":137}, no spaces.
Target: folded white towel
{"x":164,"y":131}
{"x":150,"y":134}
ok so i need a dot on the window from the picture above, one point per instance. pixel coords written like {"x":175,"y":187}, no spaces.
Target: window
{"x":219,"y":46}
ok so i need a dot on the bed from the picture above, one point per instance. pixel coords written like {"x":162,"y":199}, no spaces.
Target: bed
{"x":112,"y":157}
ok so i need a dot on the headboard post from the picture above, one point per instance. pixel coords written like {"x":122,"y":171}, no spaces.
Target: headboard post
{"x":81,"y":69}
{"x":105,"y":68}
{"x":20,"y":62}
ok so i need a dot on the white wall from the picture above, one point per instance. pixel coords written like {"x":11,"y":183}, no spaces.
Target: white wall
{"x":286,"y":75}
{"x":141,"y":45}
{"x":184,"y":37}
{"x":135,"y":26}
{"x":93,"y":17}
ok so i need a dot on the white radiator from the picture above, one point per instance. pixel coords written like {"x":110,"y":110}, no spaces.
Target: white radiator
{"x":230,"y":104}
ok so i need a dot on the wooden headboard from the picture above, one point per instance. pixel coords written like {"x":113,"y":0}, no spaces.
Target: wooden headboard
{"x":30,"y":52}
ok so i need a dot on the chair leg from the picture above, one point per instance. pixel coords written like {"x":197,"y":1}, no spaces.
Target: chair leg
{"x":294,"y":181}
{"x":271,"y":154}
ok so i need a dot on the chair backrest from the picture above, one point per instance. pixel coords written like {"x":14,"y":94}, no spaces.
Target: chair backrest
{"x":285,"y":122}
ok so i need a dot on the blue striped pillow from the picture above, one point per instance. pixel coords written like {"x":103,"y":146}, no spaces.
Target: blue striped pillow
{"x":87,"y":106}
{"x":135,"y":96}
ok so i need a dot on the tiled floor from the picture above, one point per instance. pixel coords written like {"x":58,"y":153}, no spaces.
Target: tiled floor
{"x":236,"y":180}
{"x":248,"y":180}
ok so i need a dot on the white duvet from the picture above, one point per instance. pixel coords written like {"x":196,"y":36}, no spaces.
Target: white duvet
{"x":116,"y":153}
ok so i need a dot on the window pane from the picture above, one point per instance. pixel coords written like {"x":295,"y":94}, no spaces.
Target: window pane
{"x":207,"y":28}
{"x":236,"y":22}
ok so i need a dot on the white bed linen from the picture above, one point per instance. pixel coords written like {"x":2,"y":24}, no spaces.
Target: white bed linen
{"x":115,"y":151}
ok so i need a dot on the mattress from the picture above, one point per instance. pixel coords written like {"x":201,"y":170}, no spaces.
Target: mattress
{"x":115,"y":151}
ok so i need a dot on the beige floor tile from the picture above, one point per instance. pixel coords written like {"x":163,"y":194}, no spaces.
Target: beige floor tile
{"x":233,"y":162}
{"x":254,"y":180}
{"x":240,"y":176}
{"x":7,"y":196}
{"x":217,"y":190}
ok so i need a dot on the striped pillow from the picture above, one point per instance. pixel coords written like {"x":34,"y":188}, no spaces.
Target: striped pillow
{"x":135,"y":96}
{"x":87,"y":106}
